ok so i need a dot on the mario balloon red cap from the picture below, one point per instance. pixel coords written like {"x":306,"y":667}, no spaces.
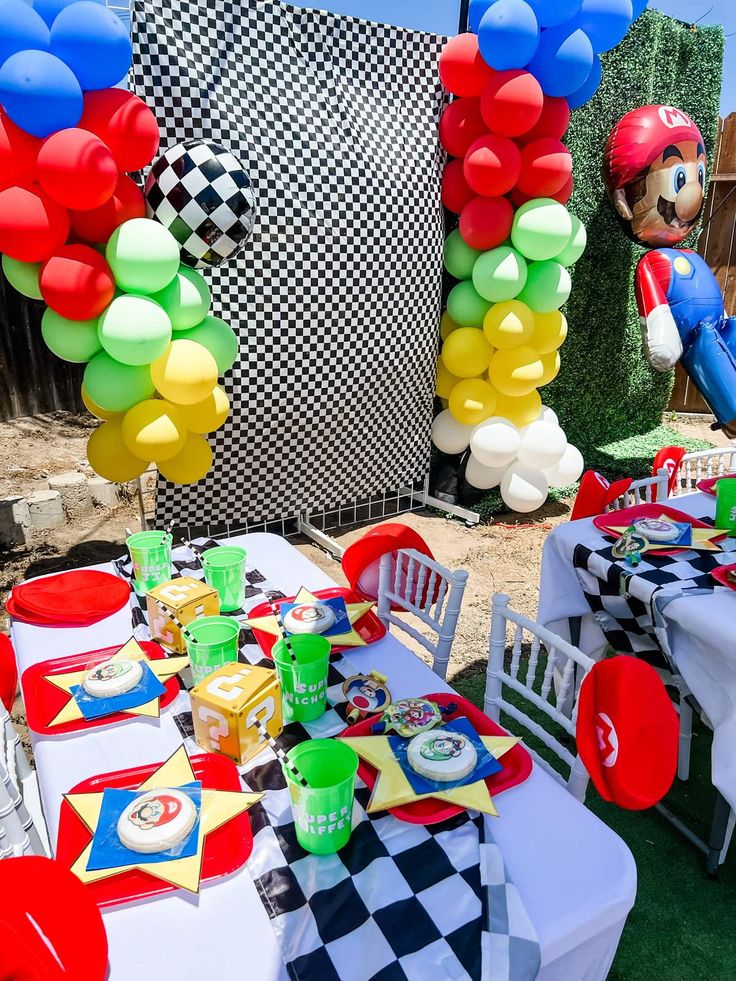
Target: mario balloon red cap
{"x":639,"y":138}
{"x":627,"y":732}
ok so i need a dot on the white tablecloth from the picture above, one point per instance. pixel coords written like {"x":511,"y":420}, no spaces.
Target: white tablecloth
{"x":699,"y":629}
{"x":576,"y":876}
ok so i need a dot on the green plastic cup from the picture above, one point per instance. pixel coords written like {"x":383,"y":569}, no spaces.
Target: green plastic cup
{"x":726,"y":504}
{"x":304,"y":684}
{"x":151,"y":555}
{"x":211,"y":642}
{"x":323,"y":811}
{"x":224,"y":570}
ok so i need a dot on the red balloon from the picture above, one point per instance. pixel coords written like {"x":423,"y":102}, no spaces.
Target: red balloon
{"x":486,"y":222}
{"x":460,"y":125}
{"x":462,"y":68}
{"x":32,"y":226}
{"x":98,"y":224}
{"x":546,"y":166}
{"x":455,"y":190}
{"x":125,"y":123}
{"x":563,"y":195}
{"x":18,"y":152}
{"x":552,"y":123}
{"x":77,"y":283}
{"x":492,"y":165}
{"x":76,"y":169}
{"x":512,"y":102}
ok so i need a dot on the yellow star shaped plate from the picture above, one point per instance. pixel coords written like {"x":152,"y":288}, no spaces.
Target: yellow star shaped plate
{"x":225,"y":839}
{"x":51,"y":708}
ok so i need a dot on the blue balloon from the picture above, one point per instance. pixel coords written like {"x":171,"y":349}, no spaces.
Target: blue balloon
{"x":50,"y":9}
{"x":508,"y":34}
{"x":550,"y":13}
{"x":476,"y":9}
{"x":93,"y":42}
{"x":586,"y":91}
{"x":605,"y":22}
{"x":563,"y":60}
{"x":20,"y":29}
{"x":40,"y":93}
{"x":639,"y":6}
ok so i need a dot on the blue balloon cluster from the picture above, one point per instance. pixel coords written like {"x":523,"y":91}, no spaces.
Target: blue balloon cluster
{"x":558,"y":41}
{"x":53,"y":52}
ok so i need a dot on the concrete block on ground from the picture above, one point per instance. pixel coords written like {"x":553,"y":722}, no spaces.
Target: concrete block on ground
{"x":104,"y":493}
{"x":46,"y":509}
{"x":15,"y":521}
{"x":76,"y":498}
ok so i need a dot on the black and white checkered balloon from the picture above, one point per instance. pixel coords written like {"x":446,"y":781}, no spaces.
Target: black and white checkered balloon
{"x":202,"y":194}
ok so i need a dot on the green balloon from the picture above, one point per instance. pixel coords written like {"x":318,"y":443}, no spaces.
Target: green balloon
{"x":575,"y":244}
{"x":134,"y":330}
{"x":23,"y":276}
{"x":541,"y":229}
{"x":465,"y":305}
{"x":459,"y":257}
{"x":186,"y":299}
{"x":114,"y":386}
{"x":143,"y":255}
{"x":548,"y":286}
{"x":500,"y":274}
{"x":219,"y":339}
{"x":71,"y":340}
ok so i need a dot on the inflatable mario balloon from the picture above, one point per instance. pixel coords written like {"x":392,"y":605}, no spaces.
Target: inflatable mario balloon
{"x":654,"y":169}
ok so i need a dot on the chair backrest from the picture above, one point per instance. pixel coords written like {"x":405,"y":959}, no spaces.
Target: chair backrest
{"x":702,"y":464}
{"x":549,"y":687}
{"x":8,"y":672}
{"x":16,"y":774}
{"x":645,"y":491}
{"x":417,"y":584}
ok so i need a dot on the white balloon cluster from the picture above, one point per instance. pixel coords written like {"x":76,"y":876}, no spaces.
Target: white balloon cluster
{"x":524,"y":462}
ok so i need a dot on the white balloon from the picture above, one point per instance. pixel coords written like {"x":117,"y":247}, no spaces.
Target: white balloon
{"x":568,"y":470}
{"x":523,"y":489}
{"x":479,"y":475}
{"x":449,"y":435}
{"x":542,"y":445}
{"x":495,"y":442}
{"x":548,"y":415}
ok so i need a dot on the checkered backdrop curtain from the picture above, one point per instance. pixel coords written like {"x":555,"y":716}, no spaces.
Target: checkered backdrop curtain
{"x":336,"y":297}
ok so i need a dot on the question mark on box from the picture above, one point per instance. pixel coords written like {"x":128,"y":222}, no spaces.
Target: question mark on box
{"x":215,"y":731}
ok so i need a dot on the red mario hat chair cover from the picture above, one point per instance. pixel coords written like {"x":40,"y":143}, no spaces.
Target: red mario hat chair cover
{"x":361,"y":560}
{"x":627,"y":732}
{"x":596,"y":493}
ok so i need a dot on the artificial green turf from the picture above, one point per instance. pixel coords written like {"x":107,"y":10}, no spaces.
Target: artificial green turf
{"x":682,"y":925}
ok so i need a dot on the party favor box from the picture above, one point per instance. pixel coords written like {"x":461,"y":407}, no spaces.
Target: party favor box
{"x":226,"y":704}
{"x":186,"y":599}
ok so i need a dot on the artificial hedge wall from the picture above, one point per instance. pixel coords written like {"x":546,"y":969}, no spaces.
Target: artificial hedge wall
{"x":605,"y":390}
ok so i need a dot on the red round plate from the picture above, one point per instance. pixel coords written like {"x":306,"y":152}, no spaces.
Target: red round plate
{"x":44,"y":701}
{"x":225,"y":850}
{"x":721,"y":576}
{"x":369,"y":626}
{"x":517,"y":763}
{"x":627,"y":516}
{"x":708,"y":486}
{"x":80,"y":596}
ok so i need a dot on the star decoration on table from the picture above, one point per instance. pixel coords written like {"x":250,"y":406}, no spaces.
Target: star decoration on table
{"x":702,"y":540}
{"x":218,"y":807}
{"x":352,"y":638}
{"x":392,"y":787}
{"x":163,"y":668}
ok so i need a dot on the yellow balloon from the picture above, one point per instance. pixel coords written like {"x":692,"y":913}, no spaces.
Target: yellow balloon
{"x":185,"y":373}
{"x":472,"y":401}
{"x":445,"y":380}
{"x":516,"y":372}
{"x":153,"y":430}
{"x":447,"y":325}
{"x":96,"y":409}
{"x":551,"y":363}
{"x":190,"y":464}
{"x":209,"y":414}
{"x":509,"y":324}
{"x":466,"y":353}
{"x":522,"y":410}
{"x":108,"y":456}
{"x":550,"y":331}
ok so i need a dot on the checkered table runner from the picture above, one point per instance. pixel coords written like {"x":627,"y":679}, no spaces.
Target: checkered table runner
{"x":400,"y":901}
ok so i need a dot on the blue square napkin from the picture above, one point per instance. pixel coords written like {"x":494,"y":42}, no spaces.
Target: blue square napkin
{"x":148,"y":688}
{"x":338,"y":607}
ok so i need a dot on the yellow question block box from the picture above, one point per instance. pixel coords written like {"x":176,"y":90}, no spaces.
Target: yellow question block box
{"x":187,"y":599}
{"x":226,"y":704}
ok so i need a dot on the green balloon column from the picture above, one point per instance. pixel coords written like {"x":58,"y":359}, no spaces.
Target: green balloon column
{"x":515,"y":77}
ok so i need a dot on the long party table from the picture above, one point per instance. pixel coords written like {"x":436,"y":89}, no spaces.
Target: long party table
{"x":576,"y":877}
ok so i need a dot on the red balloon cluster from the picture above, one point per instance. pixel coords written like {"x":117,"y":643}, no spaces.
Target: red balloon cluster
{"x":505,"y":135}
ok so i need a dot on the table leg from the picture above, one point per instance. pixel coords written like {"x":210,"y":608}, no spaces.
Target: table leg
{"x":718,"y":832}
